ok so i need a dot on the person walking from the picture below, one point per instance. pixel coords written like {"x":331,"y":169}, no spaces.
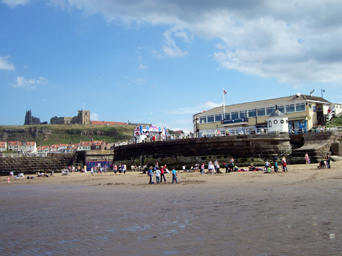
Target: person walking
{"x":9,"y":180}
{"x":174,"y":175}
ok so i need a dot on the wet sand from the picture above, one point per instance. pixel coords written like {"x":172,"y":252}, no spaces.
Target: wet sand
{"x":294,"y":213}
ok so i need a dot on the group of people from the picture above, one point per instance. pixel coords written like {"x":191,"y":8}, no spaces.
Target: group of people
{"x":324,"y":163}
{"x":214,"y":168}
{"x":269,"y":168}
{"x":159,"y":172}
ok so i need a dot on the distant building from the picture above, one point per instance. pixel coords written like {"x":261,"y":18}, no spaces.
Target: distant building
{"x":31,"y":120}
{"x":303,"y":111}
{"x":83,"y":118}
{"x":60,"y":120}
{"x":3,"y":146}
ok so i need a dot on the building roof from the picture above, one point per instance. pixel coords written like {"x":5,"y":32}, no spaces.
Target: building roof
{"x":277,"y":113}
{"x":107,"y":123}
{"x":269,"y":102}
{"x":14,"y":143}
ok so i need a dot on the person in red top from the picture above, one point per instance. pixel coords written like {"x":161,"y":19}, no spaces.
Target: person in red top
{"x":162,"y":171}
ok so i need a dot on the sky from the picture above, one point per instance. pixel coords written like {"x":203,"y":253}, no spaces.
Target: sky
{"x":162,"y":61}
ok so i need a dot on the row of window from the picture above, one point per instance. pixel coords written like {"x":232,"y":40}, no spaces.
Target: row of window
{"x":299,"y":107}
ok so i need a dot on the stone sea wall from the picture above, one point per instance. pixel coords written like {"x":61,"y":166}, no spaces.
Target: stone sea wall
{"x":31,"y":165}
{"x":245,"y":149}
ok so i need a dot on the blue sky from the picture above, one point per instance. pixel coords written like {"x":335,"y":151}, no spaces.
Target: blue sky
{"x":160,"y":62}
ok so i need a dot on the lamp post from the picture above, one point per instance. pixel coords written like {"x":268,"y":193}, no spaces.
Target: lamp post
{"x":322,"y":92}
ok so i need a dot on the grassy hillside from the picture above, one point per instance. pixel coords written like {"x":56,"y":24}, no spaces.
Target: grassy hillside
{"x":54,"y":134}
{"x":336,"y":121}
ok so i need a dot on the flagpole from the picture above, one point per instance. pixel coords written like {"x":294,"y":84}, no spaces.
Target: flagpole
{"x":224,"y":105}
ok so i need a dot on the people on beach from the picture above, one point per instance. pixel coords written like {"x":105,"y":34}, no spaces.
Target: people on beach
{"x":275,"y":166}
{"x":327,"y":159}
{"x":174,"y":175}
{"x":202,"y":168}
{"x":158,"y":175}
{"x":162,"y":173}
{"x":307,"y":159}
{"x":225,"y":166}
{"x":8,"y":180}
{"x":283,"y":163}
{"x":150,"y":174}
{"x":251,"y":168}
{"x":210,"y":167}
{"x":115,"y":169}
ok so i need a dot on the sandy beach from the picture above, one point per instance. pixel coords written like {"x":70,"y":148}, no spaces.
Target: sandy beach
{"x":250,"y":213}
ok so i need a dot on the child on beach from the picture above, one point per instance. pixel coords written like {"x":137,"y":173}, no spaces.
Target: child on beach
{"x":157,"y":175}
{"x":150,"y":174}
{"x":174,"y":175}
{"x":8,"y":180}
{"x":162,"y":171}
{"x":202,"y":168}
{"x":275,"y":166}
{"x":283,"y":163}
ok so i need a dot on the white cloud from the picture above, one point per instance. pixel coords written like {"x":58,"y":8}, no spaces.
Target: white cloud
{"x":30,"y":83}
{"x":141,"y":66}
{"x":5,"y":64}
{"x":294,"y":43}
{"x":139,"y":81}
{"x":15,"y":3}
{"x":94,"y":117}
{"x":170,"y":48}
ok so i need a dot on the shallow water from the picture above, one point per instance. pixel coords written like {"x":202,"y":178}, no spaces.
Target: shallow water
{"x":195,"y":219}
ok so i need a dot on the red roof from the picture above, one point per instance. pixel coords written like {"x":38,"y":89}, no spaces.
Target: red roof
{"x":12,"y":143}
{"x":107,"y":123}
{"x":85,"y":143}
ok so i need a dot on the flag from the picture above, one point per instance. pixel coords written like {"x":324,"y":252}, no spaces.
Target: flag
{"x":224,"y":92}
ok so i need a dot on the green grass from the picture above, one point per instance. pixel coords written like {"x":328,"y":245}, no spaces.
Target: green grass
{"x":65,"y":134}
{"x":336,"y":122}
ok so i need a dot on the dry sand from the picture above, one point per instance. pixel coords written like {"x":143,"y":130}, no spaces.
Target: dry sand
{"x":294,"y":213}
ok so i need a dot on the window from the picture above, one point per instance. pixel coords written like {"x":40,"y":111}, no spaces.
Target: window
{"x":211,"y":119}
{"x":235,"y":115}
{"x":261,"y":112}
{"x":290,"y":108}
{"x":218,"y":118}
{"x":203,"y":119}
{"x":269,"y":123}
{"x":251,"y":113}
{"x":243,"y":114}
{"x":300,"y":107}
{"x":281,"y":109}
{"x":270,"y":110}
{"x":227,"y":116}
